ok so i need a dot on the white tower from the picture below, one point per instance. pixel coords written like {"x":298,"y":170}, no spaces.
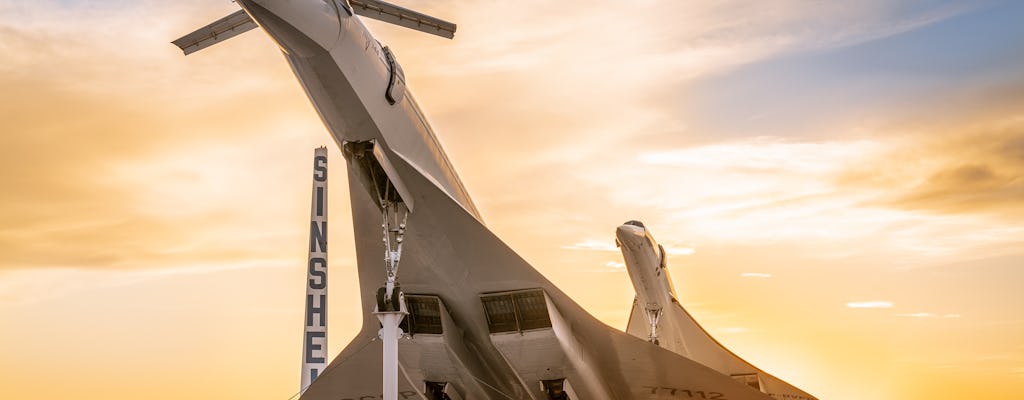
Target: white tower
{"x":314,"y":338}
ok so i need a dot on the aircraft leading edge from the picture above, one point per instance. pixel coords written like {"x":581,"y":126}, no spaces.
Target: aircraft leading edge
{"x":479,"y":321}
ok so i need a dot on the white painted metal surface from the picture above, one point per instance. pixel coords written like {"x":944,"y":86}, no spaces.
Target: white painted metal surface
{"x":677,"y":330}
{"x":218,"y":31}
{"x":448,"y":251}
{"x":389,"y":334}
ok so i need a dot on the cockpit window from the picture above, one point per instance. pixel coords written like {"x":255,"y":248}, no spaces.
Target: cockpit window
{"x":664,"y":260}
{"x":636,"y":223}
{"x":396,"y":82}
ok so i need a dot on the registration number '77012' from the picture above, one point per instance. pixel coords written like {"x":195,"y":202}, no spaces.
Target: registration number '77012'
{"x":678,"y":393}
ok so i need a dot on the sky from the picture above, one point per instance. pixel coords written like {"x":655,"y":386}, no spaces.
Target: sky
{"x":840,"y":185}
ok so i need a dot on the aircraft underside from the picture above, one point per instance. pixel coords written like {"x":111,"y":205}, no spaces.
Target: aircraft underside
{"x":477,"y":321}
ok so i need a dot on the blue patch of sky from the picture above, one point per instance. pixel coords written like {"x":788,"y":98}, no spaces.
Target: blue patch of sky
{"x":919,"y":71}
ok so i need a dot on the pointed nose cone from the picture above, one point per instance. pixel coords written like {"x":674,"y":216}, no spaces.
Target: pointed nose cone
{"x":631,"y":233}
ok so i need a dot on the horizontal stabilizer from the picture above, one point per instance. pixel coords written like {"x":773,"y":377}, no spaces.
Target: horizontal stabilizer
{"x":391,"y":13}
{"x":220,"y":30}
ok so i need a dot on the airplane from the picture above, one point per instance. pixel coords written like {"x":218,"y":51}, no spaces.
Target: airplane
{"x":658,"y":317}
{"x":450,"y":311}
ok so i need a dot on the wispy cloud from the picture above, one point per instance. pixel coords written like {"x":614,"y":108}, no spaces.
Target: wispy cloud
{"x":870,"y":304}
{"x":27,"y":286}
{"x":596,"y":245}
{"x":928,"y":315}
{"x":133,"y":111}
{"x":679,"y":250}
{"x":768,"y":154}
{"x":615,"y":264}
{"x":601,"y":245}
{"x":760,"y":275}
{"x":971,"y":170}
{"x":917,"y":315}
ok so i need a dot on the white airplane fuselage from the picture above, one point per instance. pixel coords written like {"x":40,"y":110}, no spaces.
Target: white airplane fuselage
{"x":674,"y":328}
{"x":344,"y":72}
{"x":646,"y":265}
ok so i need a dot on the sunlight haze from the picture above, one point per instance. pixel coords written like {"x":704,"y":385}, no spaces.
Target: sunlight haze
{"x":839,"y":185}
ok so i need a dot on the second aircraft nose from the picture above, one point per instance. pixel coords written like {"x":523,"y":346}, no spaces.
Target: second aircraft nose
{"x":630,"y":233}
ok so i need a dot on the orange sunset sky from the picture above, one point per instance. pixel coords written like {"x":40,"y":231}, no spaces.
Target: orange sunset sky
{"x":840,"y":185}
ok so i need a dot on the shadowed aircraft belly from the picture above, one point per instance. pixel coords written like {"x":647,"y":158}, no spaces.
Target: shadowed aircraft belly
{"x":452,"y":255}
{"x":449,"y":255}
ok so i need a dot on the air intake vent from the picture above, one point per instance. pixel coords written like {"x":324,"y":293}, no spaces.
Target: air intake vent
{"x":516,"y":311}
{"x":424,"y":315}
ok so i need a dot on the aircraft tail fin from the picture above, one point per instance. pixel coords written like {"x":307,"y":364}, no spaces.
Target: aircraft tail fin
{"x":401,"y":16}
{"x":220,"y":30}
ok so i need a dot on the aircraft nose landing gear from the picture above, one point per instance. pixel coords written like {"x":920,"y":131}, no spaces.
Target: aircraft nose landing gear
{"x":390,"y":300}
{"x":386,"y":303}
{"x":654,"y":317}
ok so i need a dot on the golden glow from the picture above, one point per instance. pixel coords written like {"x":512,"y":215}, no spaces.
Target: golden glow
{"x":152,"y":213}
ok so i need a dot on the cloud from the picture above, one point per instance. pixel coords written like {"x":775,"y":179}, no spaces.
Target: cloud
{"x":763,"y":154}
{"x":835,"y":197}
{"x":615,"y":264}
{"x":870,"y":304}
{"x":595,"y":245}
{"x":928,"y":315}
{"x":28,"y":286}
{"x":119,"y":152}
{"x":600,"y":245}
{"x":679,"y":250}
{"x":917,"y":315}
{"x":967,"y":170}
{"x":760,"y":275}
{"x":546,"y":78}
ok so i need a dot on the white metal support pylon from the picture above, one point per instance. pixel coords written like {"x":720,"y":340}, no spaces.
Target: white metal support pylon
{"x":389,"y":334}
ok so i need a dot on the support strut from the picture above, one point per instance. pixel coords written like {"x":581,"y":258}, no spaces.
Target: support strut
{"x":390,"y":300}
{"x":395,"y":215}
{"x":382,"y":181}
{"x":653,"y":316}
{"x":389,"y":334}
{"x":390,"y":309}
